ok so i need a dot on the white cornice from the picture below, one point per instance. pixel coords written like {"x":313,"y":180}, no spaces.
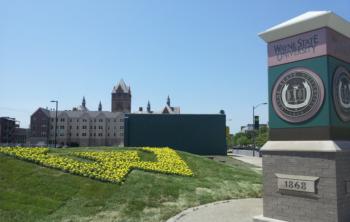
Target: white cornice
{"x":307,"y":22}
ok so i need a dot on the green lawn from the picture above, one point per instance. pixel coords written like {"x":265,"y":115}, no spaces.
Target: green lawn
{"x":29,"y":192}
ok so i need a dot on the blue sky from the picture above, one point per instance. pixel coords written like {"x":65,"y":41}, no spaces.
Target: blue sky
{"x":205,"y":54}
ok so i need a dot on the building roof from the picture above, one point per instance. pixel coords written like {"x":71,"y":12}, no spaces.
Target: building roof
{"x":81,"y":114}
{"x":122,"y":86}
{"x":307,"y":22}
{"x":171,"y":110}
{"x":45,"y":111}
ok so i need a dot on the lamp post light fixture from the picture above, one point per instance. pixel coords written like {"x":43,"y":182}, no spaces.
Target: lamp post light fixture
{"x":254,"y":142}
{"x":55,"y":101}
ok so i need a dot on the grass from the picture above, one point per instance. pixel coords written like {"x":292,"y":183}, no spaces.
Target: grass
{"x":29,"y":192}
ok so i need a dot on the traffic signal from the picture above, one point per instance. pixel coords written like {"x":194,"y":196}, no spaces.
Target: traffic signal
{"x":256,"y":122}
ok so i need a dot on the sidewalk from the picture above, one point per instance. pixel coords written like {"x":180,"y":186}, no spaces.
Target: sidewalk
{"x":256,"y":161}
{"x":238,"y":210}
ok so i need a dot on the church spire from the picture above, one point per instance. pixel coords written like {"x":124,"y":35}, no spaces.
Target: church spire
{"x":168,"y":101}
{"x":148,"y":107}
{"x":100,"y":106}
{"x":84,"y":102}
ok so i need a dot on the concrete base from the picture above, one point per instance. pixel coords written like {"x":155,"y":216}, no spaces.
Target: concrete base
{"x":327,"y":160}
{"x":261,"y":218}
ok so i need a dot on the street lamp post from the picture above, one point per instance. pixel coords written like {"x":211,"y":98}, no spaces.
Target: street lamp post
{"x":55,"y":101}
{"x":19,"y":123}
{"x":254,"y":142}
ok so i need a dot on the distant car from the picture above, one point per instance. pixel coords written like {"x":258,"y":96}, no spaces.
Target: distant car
{"x":40,"y":144}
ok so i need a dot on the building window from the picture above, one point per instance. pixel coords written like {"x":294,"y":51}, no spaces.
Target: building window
{"x":115,"y":120}
{"x":62,"y":120}
{"x":100,"y":120}
{"x":95,"y":120}
{"x":84,"y":134}
{"x":51,"y":119}
{"x":90,"y":127}
{"x":94,"y":134}
{"x":77,"y":120}
{"x":114,"y":134}
{"x":108,"y":134}
{"x":61,"y":134}
{"x":77,"y":127}
{"x":100,"y":127}
{"x":108,"y":120}
{"x":61,"y":127}
{"x":77,"y":134}
{"x":90,"y":134}
{"x":70,"y":120}
{"x":70,"y":127}
{"x":121,"y":120}
{"x":84,"y":127}
{"x":84,"y":120}
{"x":121,"y":127}
{"x":100,"y":134}
{"x":51,"y":127}
{"x":121,"y":134}
{"x":94,"y":127}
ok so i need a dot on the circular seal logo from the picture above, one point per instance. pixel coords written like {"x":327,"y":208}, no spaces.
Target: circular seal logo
{"x":341,"y":93}
{"x":297,"y":95}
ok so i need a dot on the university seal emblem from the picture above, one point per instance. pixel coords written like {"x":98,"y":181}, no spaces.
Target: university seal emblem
{"x":341,"y":93}
{"x":297,"y":95}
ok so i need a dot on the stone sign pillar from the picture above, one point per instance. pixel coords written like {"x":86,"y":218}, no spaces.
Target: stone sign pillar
{"x":306,"y":162}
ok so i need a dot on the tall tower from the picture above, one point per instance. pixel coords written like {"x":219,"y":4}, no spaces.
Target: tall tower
{"x":121,"y":98}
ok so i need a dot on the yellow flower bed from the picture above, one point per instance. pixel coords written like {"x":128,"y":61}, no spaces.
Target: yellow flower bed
{"x":106,"y":166}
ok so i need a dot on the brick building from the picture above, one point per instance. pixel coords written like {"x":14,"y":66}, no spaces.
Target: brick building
{"x":10,"y":133}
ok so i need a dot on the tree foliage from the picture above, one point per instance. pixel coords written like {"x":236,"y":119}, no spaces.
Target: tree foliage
{"x":244,"y":139}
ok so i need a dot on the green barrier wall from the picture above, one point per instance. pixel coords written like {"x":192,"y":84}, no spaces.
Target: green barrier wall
{"x":198,"y":134}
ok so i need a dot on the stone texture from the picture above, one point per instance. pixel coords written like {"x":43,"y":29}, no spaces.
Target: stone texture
{"x":329,"y":203}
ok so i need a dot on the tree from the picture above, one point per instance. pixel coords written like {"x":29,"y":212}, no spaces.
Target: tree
{"x":229,"y":138}
{"x":241,"y":139}
{"x":263,"y":136}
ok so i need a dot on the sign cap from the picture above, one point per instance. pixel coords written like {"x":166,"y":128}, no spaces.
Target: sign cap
{"x":307,"y":22}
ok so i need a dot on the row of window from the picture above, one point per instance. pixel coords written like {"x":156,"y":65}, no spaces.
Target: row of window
{"x":85,"y":120}
{"x":85,"y":127}
{"x":91,"y":134}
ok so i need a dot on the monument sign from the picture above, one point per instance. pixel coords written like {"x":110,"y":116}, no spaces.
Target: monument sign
{"x":306,"y":162}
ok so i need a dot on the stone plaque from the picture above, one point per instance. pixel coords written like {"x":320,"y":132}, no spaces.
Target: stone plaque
{"x":296,"y":183}
{"x":341,"y":93}
{"x":297,"y":95}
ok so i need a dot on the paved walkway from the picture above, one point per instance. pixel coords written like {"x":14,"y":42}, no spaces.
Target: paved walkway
{"x":256,"y":161}
{"x":239,"y":210}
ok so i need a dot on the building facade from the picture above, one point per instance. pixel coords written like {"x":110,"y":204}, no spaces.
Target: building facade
{"x":82,"y":127}
{"x":10,"y":133}
{"x":39,"y":127}
{"x":87,"y":128}
{"x":7,"y":129}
